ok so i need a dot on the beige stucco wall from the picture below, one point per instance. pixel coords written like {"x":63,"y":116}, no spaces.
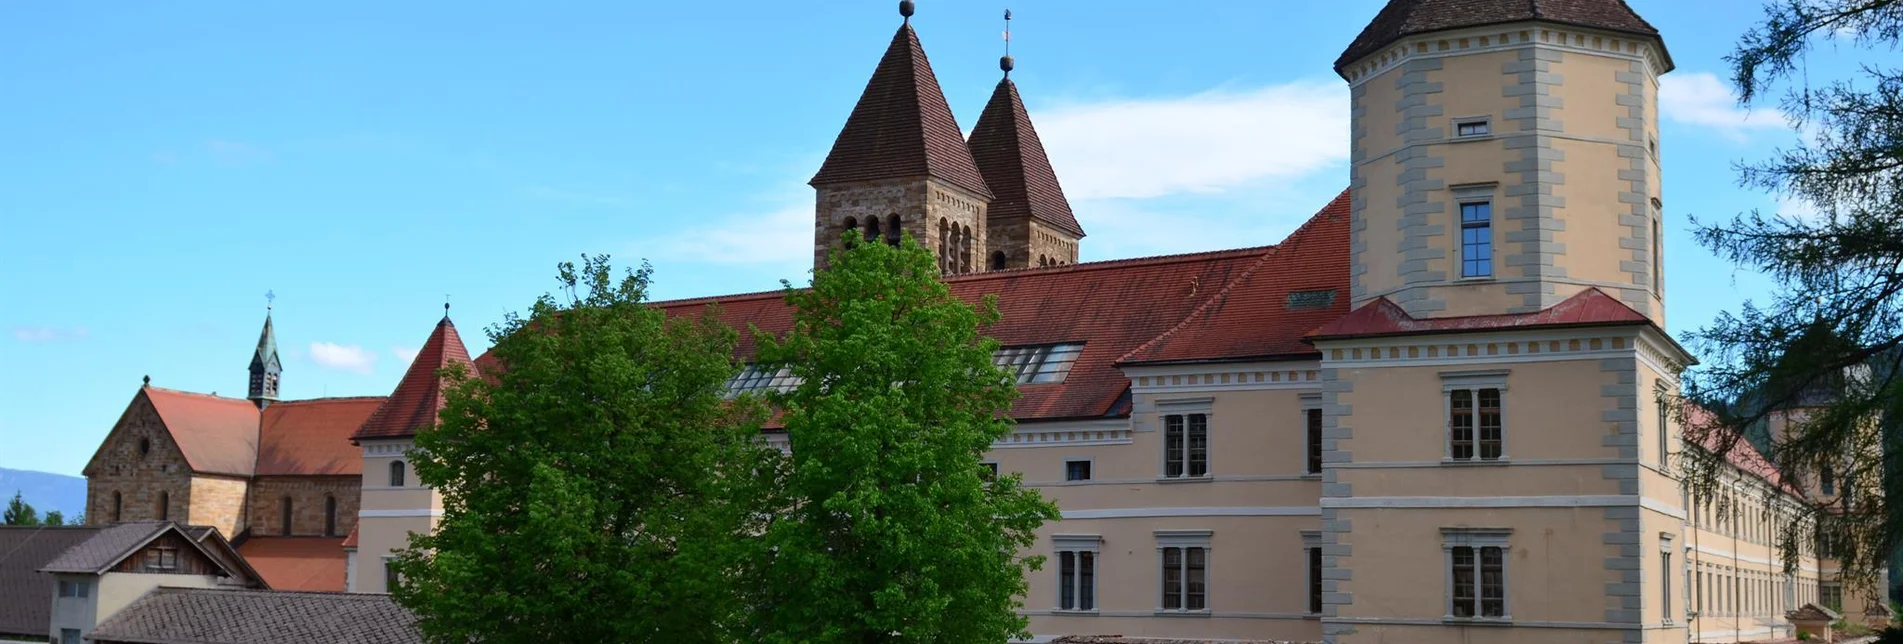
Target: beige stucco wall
{"x":114,"y":591}
{"x":388,"y":515}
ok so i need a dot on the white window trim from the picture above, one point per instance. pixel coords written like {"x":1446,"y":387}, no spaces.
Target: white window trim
{"x":1184,"y":539}
{"x":1477,"y":538}
{"x":1184,"y":407}
{"x":1474,"y":194}
{"x":1091,"y":543}
{"x":1451,"y":381}
{"x":1312,"y":402}
{"x":1453,"y":127}
{"x":1092,"y":460}
{"x":1665,"y":572}
{"x":1311,"y":540}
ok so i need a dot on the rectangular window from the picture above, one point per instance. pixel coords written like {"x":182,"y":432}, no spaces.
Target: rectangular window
{"x":761,"y":379}
{"x":1476,"y":239}
{"x":1665,"y":430}
{"x":1077,"y":580}
{"x":69,"y":636}
{"x":1076,"y":470}
{"x":1477,"y":127}
{"x":990,"y":471}
{"x":390,"y":579}
{"x":1185,"y":445}
{"x":1042,"y":363}
{"x":1474,"y":427}
{"x":1665,"y":574}
{"x":162,"y":558}
{"x":1314,"y":418}
{"x":1658,"y":259}
{"x":1314,"y":581}
{"x":1184,"y":578}
{"x":1831,"y":595}
{"x":1827,"y":479}
{"x":75,"y":589}
{"x":1479,"y":581}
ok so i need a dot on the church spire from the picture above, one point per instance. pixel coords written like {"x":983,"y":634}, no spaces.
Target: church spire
{"x":1030,"y":221}
{"x":265,"y":366}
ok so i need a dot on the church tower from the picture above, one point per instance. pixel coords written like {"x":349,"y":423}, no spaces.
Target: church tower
{"x":900,"y":165}
{"x":1030,"y":223}
{"x":265,"y":367}
{"x":1505,"y":155}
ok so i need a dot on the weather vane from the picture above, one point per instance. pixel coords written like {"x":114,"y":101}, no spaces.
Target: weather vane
{"x":269,"y":298}
{"x":1006,"y":63}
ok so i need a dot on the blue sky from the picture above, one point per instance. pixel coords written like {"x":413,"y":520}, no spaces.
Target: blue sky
{"x":166,"y":164}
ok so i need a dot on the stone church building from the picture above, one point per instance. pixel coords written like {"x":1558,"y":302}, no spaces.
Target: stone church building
{"x":1433,"y":413}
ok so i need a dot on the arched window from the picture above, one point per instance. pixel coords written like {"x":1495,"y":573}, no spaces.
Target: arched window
{"x":396,"y":473}
{"x":330,"y":515}
{"x":851,"y":230}
{"x":145,"y":446}
{"x":944,"y":246}
{"x":1042,"y":261}
{"x":964,"y":258}
{"x":951,"y":250}
{"x":164,"y":507}
{"x":284,"y":518}
{"x":997,"y":260}
{"x":872,"y":229}
{"x":117,"y":505}
{"x":892,"y":229}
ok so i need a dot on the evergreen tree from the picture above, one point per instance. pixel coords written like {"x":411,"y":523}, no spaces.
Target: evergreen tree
{"x":19,"y":512}
{"x":894,"y":532}
{"x":1829,"y":343}
{"x":54,"y":517}
{"x":598,"y":488}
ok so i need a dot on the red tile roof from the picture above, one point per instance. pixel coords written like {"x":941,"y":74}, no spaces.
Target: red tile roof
{"x":419,"y":396}
{"x":1266,"y":311}
{"x":1381,"y":317}
{"x":902,"y":127}
{"x":1009,"y":154}
{"x":1702,"y":428}
{"x":297,"y":563}
{"x":217,"y":435}
{"x":1403,"y":18}
{"x":312,"y":437}
{"x":351,"y":541}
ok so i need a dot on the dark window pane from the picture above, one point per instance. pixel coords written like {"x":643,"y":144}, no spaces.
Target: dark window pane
{"x":1173,"y":578}
{"x":1087,"y":581}
{"x":1067,"y":580}
{"x":1493,"y":582}
{"x":1173,"y":445}
{"x":1314,"y":441}
{"x":1490,"y":430}
{"x":1463,"y":563}
{"x":1077,"y":470}
{"x":1198,"y":444}
{"x":1197,"y":564}
{"x":1461,"y":424}
{"x":1314,"y":580}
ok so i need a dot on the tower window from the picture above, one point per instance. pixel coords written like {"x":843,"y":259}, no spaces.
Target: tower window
{"x":1476,"y":239}
{"x":872,"y":229}
{"x":1077,"y":470}
{"x":1658,"y":258}
{"x":997,"y":260}
{"x":396,"y":473}
{"x":1472,"y":127}
{"x":330,"y":516}
{"x":285,"y":520}
{"x":117,"y":505}
{"x":145,"y":446}
{"x":892,"y":229}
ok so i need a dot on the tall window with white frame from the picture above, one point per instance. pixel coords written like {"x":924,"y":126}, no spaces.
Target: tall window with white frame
{"x":1665,"y":426}
{"x":1312,"y":547}
{"x":1476,"y":239}
{"x":1665,"y":577}
{"x":1185,"y":445}
{"x":1077,"y":571}
{"x":1185,"y":570}
{"x":1477,"y":572}
{"x":1312,"y":418}
{"x":1474,"y":424}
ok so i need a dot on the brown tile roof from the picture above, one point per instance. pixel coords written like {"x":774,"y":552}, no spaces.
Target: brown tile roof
{"x":1382,"y":317}
{"x":1813,"y":612}
{"x":1265,"y":312}
{"x":351,"y":541}
{"x":297,"y":563}
{"x":218,"y":616}
{"x":26,"y":594}
{"x":1009,"y":154}
{"x":1403,"y":18}
{"x":312,"y":437}
{"x":1702,"y":429}
{"x":419,"y":395}
{"x":218,"y":435}
{"x":110,"y":546}
{"x":901,"y":126}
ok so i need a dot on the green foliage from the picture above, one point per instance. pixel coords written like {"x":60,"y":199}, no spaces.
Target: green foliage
{"x":893,"y":533}
{"x":599,"y":488}
{"x":1890,"y":635}
{"x":54,"y":517}
{"x":1805,"y":637}
{"x":1830,"y":340}
{"x":19,"y":512}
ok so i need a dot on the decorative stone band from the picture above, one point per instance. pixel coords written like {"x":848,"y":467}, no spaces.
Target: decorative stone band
{"x":1502,"y":37}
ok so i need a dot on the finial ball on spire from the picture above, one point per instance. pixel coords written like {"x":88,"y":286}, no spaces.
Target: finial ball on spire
{"x":905,"y":8}
{"x":148,"y":380}
{"x":1006,"y":63}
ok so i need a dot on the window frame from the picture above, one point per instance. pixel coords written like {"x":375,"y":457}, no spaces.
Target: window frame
{"x":1478,"y":539}
{"x":161,"y":559}
{"x":1485,"y":124}
{"x":1314,"y":566}
{"x":1314,"y":425}
{"x":1089,"y":468}
{"x":1482,"y":195}
{"x":399,"y":473}
{"x":1183,"y":541}
{"x":1077,"y":545}
{"x":390,"y":577}
{"x":1474,"y":382}
{"x":1185,"y":409}
{"x":1665,"y":579}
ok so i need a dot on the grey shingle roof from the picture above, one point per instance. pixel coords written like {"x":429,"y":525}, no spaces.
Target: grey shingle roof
{"x":217,"y":616}
{"x":106,"y":548}
{"x":26,"y":595}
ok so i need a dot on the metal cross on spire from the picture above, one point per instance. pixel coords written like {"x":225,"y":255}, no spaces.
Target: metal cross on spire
{"x":270,"y":297}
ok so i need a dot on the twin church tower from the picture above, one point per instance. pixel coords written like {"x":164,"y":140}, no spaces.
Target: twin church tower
{"x":901,"y":165}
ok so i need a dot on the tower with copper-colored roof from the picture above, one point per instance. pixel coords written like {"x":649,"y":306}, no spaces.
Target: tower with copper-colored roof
{"x":265,"y":367}
{"x":900,"y":166}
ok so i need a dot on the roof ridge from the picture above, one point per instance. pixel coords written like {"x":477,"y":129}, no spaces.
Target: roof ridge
{"x":212,"y":396}
{"x":274,"y":593}
{"x":902,"y":126}
{"x":325,"y":399}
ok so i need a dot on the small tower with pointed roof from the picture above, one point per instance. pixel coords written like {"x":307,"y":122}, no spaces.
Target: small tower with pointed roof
{"x":265,"y":367}
{"x":1029,"y":222}
{"x":900,"y":166}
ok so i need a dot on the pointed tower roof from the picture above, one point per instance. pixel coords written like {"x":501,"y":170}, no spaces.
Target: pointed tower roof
{"x":267,"y":353}
{"x":419,"y":396}
{"x":1012,"y":160}
{"x":902,"y":126}
{"x":1403,"y":18}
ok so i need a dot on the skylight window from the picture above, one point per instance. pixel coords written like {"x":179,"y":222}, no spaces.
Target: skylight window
{"x":761,"y":379}
{"x":1040,"y":363}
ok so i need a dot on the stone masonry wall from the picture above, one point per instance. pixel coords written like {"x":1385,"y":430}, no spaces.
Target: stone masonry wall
{"x":139,"y":469}
{"x":307,"y":495}
{"x":919,"y":203}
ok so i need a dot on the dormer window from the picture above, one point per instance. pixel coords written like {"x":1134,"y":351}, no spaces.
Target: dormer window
{"x":1472,"y":127}
{"x":1041,"y":363}
{"x":161,"y":559}
{"x":761,"y":379}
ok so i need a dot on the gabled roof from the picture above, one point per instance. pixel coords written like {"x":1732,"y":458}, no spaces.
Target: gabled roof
{"x":1403,"y":18}
{"x":298,"y":563}
{"x":181,"y":615}
{"x":902,"y":126}
{"x":419,"y":396}
{"x":109,"y":546}
{"x":217,"y":435}
{"x":312,"y":437}
{"x":267,"y":353}
{"x":26,"y":594}
{"x":1012,"y":160}
{"x":1813,"y":613}
{"x":1382,"y":317}
{"x":1298,"y":285}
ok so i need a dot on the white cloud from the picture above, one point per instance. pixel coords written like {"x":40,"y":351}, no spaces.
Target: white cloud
{"x":347,"y":358}
{"x":37,"y":334}
{"x":1702,"y":99}
{"x":404,"y":354}
{"x":1203,"y":143}
{"x":778,"y":236}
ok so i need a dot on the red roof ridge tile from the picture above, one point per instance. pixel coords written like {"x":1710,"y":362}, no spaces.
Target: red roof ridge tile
{"x":213,"y":396}
{"x":418,"y":397}
{"x":327,"y":399}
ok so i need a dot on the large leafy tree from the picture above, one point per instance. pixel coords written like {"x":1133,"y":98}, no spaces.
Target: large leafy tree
{"x":893,"y":530}
{"x":19,"y":512}
{"x":1825,"y":353}
{"x":598,"y":487}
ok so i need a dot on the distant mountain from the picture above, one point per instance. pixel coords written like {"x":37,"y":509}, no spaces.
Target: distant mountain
{"x":44,"y":491}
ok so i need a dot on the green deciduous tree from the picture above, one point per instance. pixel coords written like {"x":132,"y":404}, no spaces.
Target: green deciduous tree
{"x":893,"y":531}
{"x":1829,"y":343}
{"x":599,"y":488}
{"x":54,"y":517}
{"x":19,"y":512}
